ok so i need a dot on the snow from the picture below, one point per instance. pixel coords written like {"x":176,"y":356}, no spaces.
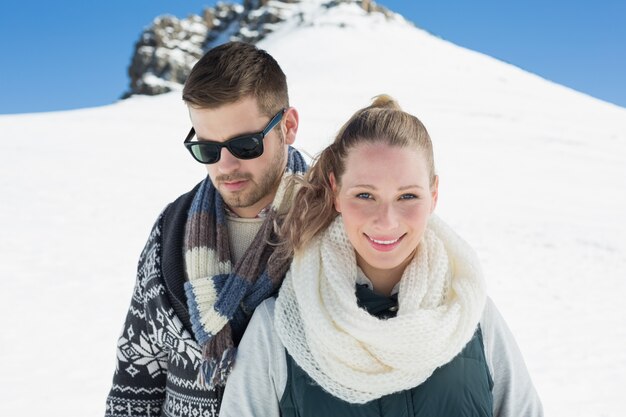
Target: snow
{"x":532,"y":175}
{"x":194,"y":24}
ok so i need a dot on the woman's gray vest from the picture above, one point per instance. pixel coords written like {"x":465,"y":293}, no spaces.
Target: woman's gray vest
{"x":461,"y":388}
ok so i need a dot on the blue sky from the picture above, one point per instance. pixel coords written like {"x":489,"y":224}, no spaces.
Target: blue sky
{"x":73,"y":54}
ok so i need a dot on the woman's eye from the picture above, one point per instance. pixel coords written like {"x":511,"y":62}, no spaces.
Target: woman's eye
{"x":408,"y":196}
{"x":365,"y":196}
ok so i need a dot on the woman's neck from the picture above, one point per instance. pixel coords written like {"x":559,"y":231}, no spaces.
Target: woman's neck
{"x":383,"y":280}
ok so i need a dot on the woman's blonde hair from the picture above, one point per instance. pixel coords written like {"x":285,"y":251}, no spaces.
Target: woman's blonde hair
{"x":313,"y":208}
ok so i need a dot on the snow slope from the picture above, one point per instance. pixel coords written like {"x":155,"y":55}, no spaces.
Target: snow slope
{"x":532,"y":175}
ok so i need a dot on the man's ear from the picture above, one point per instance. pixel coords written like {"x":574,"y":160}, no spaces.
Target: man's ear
{"x":290,"y":125}
{"x":333,"y":186}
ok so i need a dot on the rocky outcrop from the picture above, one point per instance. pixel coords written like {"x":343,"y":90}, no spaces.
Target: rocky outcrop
{"x":167,"y":50}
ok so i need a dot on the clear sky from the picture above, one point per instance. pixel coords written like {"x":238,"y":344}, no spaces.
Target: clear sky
{"x":71,"y":54}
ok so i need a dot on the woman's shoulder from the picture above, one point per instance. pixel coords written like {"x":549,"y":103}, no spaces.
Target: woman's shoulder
{"x":488,"y":310}
{"x":492,"y":322}
{"x":513,"y":391}
{"x":266,"y":309}
{"x":492,"y":325}
{"x":262,"y":322}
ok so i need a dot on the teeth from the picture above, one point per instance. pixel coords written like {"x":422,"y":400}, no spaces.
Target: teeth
{"x":385,"y":242}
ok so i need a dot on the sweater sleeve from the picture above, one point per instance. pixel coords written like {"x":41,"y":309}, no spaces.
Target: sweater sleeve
{"x":138,"y":387}
{"x":513,"y":392}
{"x":258,"y":379}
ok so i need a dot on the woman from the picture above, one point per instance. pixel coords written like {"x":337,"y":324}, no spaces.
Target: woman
{"x":383,"y":311}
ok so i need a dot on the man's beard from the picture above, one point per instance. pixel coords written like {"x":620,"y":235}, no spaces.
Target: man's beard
{"x":267,"y":184}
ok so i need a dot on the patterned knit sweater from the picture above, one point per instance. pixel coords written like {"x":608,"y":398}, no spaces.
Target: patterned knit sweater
{"x":157,"y":356}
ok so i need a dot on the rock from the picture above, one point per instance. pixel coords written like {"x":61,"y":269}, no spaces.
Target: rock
{"x":167,"y":50}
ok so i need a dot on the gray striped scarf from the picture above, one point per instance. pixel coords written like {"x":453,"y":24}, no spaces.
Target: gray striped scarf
{"x":221,"y":296}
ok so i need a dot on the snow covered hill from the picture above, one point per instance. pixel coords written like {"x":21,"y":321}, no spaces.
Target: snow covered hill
{"x":532,"y":175}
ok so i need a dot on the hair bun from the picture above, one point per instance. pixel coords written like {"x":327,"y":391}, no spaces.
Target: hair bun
{"x":384,"y":101}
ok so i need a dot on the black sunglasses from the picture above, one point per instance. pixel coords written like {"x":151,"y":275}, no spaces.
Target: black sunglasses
{"x":248,"y":146}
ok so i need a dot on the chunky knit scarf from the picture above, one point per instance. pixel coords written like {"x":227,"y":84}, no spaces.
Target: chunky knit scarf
{"x":358,"y":357}
{"x":222,"y":296}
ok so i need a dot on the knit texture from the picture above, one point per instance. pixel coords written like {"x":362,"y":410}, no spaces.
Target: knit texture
{"x":358,"y":357}
{"x":222,"y":294}
{"x":158,"y":358}
{"x":241,"y":233}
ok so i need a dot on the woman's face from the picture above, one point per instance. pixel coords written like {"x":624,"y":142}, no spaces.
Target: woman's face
{"x":385,"y":200}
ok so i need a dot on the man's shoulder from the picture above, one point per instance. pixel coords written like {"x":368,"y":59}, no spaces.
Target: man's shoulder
{"x":175,"y":213}
{"x":183,"y":201}
{"x":169,"y":229}
{"x":171,"y":238}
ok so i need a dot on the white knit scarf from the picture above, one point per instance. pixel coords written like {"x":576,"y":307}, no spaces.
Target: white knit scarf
{"x":358,"y":357}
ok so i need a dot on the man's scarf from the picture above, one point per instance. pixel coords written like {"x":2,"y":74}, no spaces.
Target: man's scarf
{"x":221,"y":296}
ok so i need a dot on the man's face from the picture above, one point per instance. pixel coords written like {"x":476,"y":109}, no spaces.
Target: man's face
{"x":247,"y":186}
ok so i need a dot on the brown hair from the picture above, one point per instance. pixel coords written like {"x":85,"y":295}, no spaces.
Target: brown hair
{"x":233,"y":71}
{"x":381,"y":122}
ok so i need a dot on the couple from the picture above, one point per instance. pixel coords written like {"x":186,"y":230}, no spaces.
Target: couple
{"x":357,"y":299}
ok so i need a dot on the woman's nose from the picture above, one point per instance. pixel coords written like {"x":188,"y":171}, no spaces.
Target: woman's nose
{"x":386,"y":217}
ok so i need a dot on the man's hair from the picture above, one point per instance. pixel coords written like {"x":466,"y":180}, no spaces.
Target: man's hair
{"x":234,"y":71}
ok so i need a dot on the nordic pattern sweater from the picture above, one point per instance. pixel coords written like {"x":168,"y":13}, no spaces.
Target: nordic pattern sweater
{"x":157,"y":355}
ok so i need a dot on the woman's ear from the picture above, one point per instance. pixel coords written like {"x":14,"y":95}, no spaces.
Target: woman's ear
{"x":333,"y":186}
{"x":434,"y":192}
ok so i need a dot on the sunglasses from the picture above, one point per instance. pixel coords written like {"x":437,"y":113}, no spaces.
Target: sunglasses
{"x":248,"y":146}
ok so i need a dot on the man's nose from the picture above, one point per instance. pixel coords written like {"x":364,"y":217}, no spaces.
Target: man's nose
{"x":227,"y":163}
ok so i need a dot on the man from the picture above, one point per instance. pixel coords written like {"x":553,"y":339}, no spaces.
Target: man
{"x":208,"y":261}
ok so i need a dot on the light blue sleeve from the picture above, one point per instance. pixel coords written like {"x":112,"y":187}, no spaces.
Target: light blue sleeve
{"x":258,"y":379}
{"x":513,"y":392}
